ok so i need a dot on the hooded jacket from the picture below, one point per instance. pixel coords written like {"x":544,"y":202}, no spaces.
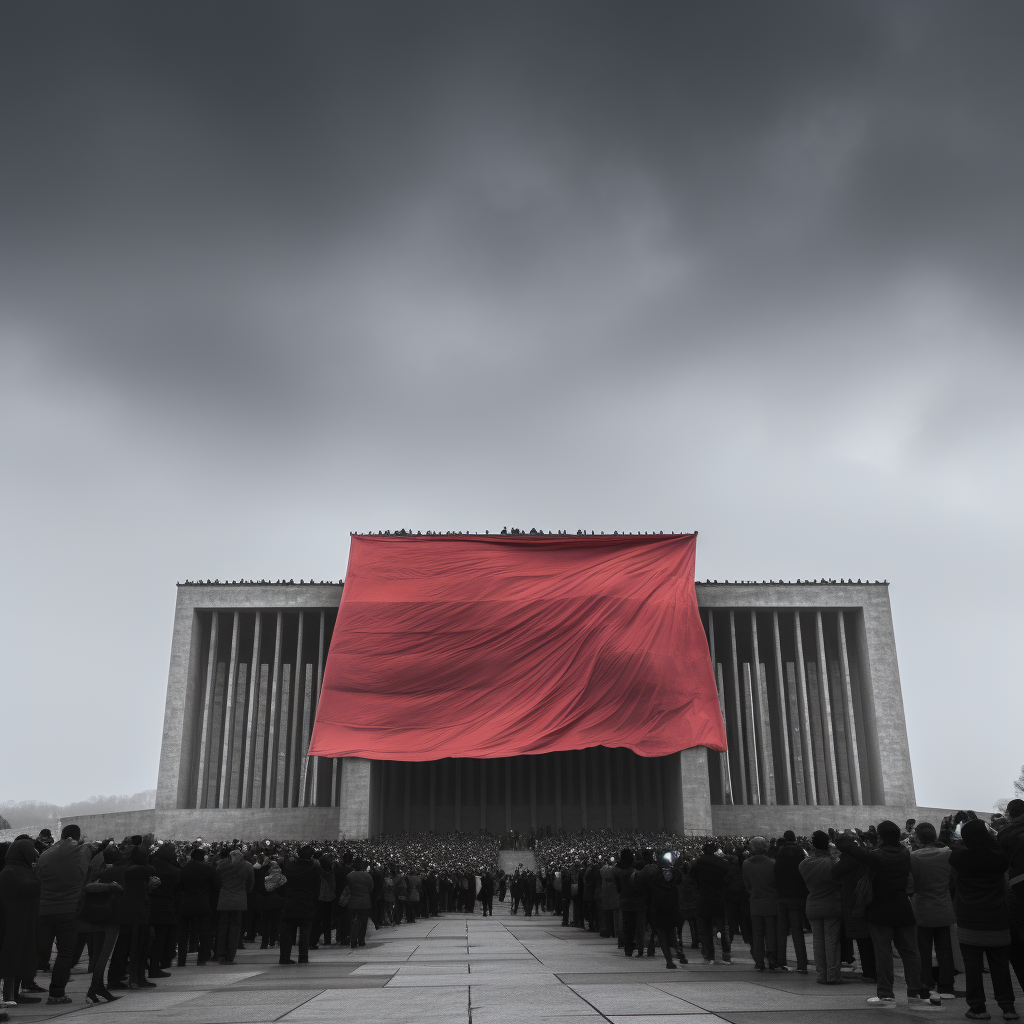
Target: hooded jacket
{"x":236,"y":878}
{"x":360,"y":888}
{"x":62,"y":871}
{"x":19,"y":893}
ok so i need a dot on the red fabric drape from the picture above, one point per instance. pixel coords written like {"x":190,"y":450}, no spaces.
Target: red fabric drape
{"x":498,"y":646}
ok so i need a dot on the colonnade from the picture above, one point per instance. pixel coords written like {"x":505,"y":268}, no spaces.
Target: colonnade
{"x":790,"y":693}
{"x":255,"y":715}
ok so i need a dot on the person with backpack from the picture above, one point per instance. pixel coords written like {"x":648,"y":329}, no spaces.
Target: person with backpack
{"x":890,"y":915}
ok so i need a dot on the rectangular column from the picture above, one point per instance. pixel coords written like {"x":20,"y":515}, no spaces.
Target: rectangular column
{"x":737,"y":703}
{"x":694,"y":788}
{"x":273,"y":716}
{"x":606,"y":754}
{"x":810,"y":782}
{"x":229,"y":719}
{"x":482,"y":765}
{"x":659,"y":792}
{"x":281,"y":772}
{"x":851,"y":718}
{"x":796,"y":738}
{"x":354,"y":799}
{"x":204,"y":736}
{"x":308,"y":694}
{"x":297,"y":703}
{"x":433,"y":794}
{"x":508,"y":794}
{"x":260,"y":754}
{"x":724,"y":780}
{"x":751,"y":745}
{"x":835,"y":689}
{"x":558,"y":790}
{"x":632,"y":790}
{"x":458,"y":794}
{"x":583,"y":789}
{"x":406,"y":787}
{"x":762,"y":721}
{"x":240,"y":753}
{"x":335,"y":781}
{"x":251,"y":718}
{"x":783,"y":718}
{"x":817,"y":744}
{"x":533,"y":792}
{"x":826,"y":715}
{"x":313,"y":764}
{"x":216,"y":736}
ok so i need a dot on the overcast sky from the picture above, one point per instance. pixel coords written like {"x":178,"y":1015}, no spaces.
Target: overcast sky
{"x":272,"y":273}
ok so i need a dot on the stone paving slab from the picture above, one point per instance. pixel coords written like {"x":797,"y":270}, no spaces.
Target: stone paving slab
{"x":634,"y":999}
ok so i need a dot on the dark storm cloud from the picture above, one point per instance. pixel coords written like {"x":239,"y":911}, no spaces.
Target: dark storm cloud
{"x":272,"y":272}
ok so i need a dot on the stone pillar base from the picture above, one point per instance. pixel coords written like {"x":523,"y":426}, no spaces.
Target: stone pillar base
{"x":354,"y":799}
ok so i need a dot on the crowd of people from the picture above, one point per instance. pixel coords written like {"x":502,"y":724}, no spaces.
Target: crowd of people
{"x":140,"y":908}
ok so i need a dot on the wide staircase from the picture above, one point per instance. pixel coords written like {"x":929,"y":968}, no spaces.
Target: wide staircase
{"x":509,"y":860}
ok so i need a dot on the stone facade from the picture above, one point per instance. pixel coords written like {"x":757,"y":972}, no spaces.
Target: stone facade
{"x":808,"y":685}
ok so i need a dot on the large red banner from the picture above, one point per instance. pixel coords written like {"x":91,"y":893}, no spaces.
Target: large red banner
{"x":469,"y":646}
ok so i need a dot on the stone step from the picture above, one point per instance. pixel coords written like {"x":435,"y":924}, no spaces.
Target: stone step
{"x":509,"y":860}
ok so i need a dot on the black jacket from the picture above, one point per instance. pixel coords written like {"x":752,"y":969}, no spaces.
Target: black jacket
{"x":711,"y":874}
{"x":303,"y":889}
{"x":788,"y":880}
{"x":980,"y":887}
{"x":890,"y":864}
{"x":164,"y":899}
{"x":198,"y":885}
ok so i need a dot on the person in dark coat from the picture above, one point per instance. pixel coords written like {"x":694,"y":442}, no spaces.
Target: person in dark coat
{"x":889,"y":914}
{"x":662,"y":890}
{"x":487,"y":893}
{"x":132,"y":913}
{"x":163,"y":910}
{"x":198,"y":886}
{"x":791,"y":902}
{"x":632,"y":902}
{"x":19,"y":891}
{"x":99,"y":914}
{"x":303,"y":874}
{"x":236,"y":878}
{"x":855,"y":926}
{"x":982,"y":917}
{"x":710,"y":872}
{"x":359,"y":889}
{"x":275,"y":889}
{"x":758,"y":873}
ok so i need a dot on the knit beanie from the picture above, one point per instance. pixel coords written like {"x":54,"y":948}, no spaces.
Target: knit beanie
{"x":888,"y":832}
{"x":819,"y":840}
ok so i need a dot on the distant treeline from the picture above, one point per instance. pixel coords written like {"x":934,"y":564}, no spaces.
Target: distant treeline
{"x":37,"y":812}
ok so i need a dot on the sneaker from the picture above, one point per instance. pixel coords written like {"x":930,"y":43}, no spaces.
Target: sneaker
{"x":708,"y":963}
{"x":978,"y":1015}
{"x":947,"y":995}
{"x":671,"y":966}
{"x":1010,"y":1015}
{"x":920,"y":1003}
{"x":882,"y":1001}
{"x":782,"y":968}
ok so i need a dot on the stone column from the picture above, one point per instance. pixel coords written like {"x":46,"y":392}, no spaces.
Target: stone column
{"x":762,"y":719}
{"x":851,"y":718}
{"x":632,"y":791}
{"x":533,"y":792}
{"x":433,"y":794}
{"x":737,"y":708}
{"x":780,"y":694}
{"x":508,"y":794}
{"x":204,"y":741}
{"x":260,"y":776}
{"x":298,"y":700}
{"x":606,"y":755}
{"x":751,"y":745}
{"x":799,"y":779}
{"x":272,"y":717}
{"x":229,"y":719}
{"x":805,"y":713}
{"x":558,"y":789}
{"x":724,"y":779}
{"x":354,"y":799}
{"x":313,"y":763}
{"x":251,"y":720}
{"x":827,"y":735}
{"x":692,"y":817}
{"x":583,"y":789}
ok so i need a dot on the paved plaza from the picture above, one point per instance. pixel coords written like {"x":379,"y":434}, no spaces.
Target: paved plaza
{"x":472,"y":970}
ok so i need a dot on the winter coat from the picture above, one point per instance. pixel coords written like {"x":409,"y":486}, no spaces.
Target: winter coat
{"x":133,"y":876}
{"x":759,"y":879}
{"x":850,"y":872}
{"x":824,"y":888}
{"x":415,"y":882}
{"x":631,"y":895}
{"x":933,"y":906}
{"x":890,"y":863}
{"x":359,"y":885}
{"x":275,"y":887}
{"x":165,"y":898}
{"x":236,"y":878}
{"x":663,"y":900}
{"x":710,"y":873}
{"x":689,"y":895}
{"x":62,"y":871}
{"x":19,"y":893}
{"x":1011,"y":841}
{"x":303,"y":889}
{"x":401,"y":888}
{"x":788,"y":881}
{"x":198,"y":886}
{"x":980,"y":887}
{"x":609,"y":894}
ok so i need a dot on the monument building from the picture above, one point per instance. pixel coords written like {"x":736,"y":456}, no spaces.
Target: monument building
{"x":807,"y":683}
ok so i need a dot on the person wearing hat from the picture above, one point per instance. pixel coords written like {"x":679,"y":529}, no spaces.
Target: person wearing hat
{"x":933,"y":908}
{"x":890,"y":916}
